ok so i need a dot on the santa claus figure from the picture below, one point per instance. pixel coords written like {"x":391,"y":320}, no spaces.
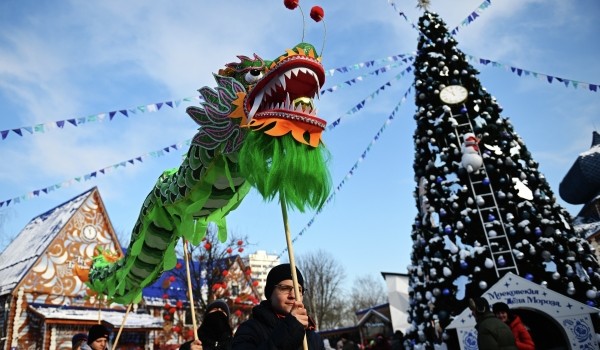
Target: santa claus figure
{"x":471,"y":159}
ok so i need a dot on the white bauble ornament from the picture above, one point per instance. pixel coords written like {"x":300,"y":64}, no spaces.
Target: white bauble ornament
{"x":483,"y":285}
{"x":447,"y":271}
{"x":591,"y":294}
{"x":489,"y":263}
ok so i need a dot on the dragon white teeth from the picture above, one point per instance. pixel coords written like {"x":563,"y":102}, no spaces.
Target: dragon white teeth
{"x":282,"y":81}
{"x":288,"y":102}
{"x":256,"y":104}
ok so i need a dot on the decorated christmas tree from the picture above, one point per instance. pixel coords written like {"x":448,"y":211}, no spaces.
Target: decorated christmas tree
{"x":484,"y":209}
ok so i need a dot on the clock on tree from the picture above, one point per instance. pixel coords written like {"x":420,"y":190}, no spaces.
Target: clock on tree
{"x":453,"y":94}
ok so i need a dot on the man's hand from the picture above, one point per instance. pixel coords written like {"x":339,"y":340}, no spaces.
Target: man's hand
{"x":299,"y":312}
{"x":196,"y":345}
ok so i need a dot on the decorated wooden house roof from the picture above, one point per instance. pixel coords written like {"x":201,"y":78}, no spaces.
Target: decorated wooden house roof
{"x":42,"y":299}
{"x":48,"y":243}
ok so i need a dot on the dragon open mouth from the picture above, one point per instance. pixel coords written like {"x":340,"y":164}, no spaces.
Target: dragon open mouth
{"x":287,"y":92}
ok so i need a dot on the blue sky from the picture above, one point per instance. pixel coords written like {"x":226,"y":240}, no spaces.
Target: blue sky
{"x":72,"y":59}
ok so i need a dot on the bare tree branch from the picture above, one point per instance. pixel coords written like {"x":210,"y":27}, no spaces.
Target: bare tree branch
{"x":323,"y":277}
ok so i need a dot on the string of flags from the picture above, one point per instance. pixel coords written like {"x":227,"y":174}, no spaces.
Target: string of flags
{"x":372,"y":96}
{"x":470,"y":18}
{"x":367,"y":64}
{"x":94,"y":174}
{"x":363,"y":76}
{"x":541,"y":76}
{"x":41,"y":128}
{"x":94,"y":118}
{"x":519,"y":71}
{"x":353,"y":169}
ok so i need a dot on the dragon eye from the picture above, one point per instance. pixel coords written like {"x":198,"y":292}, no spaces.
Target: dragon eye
{"x":253,"y":75}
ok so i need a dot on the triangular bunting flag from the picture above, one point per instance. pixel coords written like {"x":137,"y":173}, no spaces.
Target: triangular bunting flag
{"x":18,"y":132}
{"x":124,"y":112}
{"x":72,"y":121}
{"x":111,"y":115}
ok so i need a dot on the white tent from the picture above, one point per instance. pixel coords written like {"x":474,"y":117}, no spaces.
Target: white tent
{"x":570,"y":316}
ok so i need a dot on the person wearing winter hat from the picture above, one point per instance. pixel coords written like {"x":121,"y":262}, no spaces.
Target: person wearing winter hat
{"x":97,"y":338}
{"x":492,"y":334}
{"x":522,"y":336}
{"x":77,"y":340}
{"x":215,"y":332}
{"x":280,"y":321}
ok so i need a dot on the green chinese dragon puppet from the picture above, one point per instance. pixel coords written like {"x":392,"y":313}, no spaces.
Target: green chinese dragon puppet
{"x":258,"y":128}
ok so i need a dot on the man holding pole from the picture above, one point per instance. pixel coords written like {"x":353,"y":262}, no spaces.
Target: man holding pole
{"x":280,"y":322}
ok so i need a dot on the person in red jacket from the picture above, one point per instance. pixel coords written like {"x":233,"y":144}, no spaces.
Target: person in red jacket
{"x":522,"y":336}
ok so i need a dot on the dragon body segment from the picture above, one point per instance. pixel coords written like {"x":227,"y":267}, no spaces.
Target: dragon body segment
{"x":258,"y":128}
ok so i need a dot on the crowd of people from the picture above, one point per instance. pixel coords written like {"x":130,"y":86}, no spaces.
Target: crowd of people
{"x":279,"y":322}
{"x":282,"y":322}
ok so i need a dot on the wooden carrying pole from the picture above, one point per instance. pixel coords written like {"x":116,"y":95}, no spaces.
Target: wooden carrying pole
{"x":189,"y":285}
{"x":290,"y":248}
{"x":114,"y":346}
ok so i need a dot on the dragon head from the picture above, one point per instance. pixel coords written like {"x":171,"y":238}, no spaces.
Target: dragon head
{"x":279,"y":94}
{"x":264,"y":111}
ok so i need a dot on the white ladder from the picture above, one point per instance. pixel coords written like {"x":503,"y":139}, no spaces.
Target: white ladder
{"x":487,"y":208}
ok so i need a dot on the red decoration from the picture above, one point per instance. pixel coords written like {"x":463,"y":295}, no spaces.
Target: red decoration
{"x":167,"y":317}
{"x":172,"y":310}
{"x":225,"y":273}
{"x":172,"y":278}
{"x":216,"y":286}
{"x":176,"y":329}
{"x":240,"y":242}
{"x":229,"y":250}
{"x":291,"y":4}
{"x":190,"y":333}
{"x":179,"y":304}
{"x":238,"y":300}
{"x":178,"y":266}
{"x":207,"y":246}
{"x":167,"y":306}
{"x":255,"y":283}
{"x":317,"y":13}
{"x":248,"y":272}
{"x":165,"y":296}
{"x":240,"y":249}
{"x":238,"y":312}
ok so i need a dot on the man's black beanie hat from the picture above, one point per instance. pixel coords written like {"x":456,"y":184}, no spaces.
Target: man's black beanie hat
{"x":278,"y":274}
